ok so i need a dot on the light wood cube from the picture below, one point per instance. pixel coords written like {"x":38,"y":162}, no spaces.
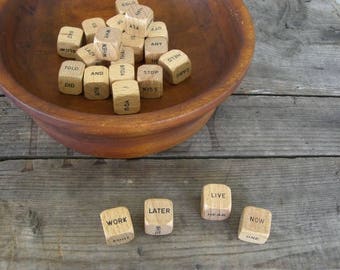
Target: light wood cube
{"x":107,"y":43}
{"x":91,"y":26}
{"x":150,"y":80}
{"x":121,"y":72}
{"x":127,"y":56}
{"x":136,"y":43}
{"x":216,"y":202}
{"x":138,"y":19}
{"x":117,"y":226}
{"x":70,"y":79}
{"x":117,"y":21}
{"x":70,"y":39}
{"x":158,"y":216}
{"x":177,"y":66}
{"x":96,"y":83}
{"x":255,"y":224}
{"x":123,"y":5}
{"x":158,"y":29}
{"x":88,"y":55}
{"x":126,"y":97}
{"x":155,"y":47}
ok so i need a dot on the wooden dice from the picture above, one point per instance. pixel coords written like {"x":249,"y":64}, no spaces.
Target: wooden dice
{"x":117,"y":21}
{"x":150,"y":80}
{"x":177,"y":66}
{"x":155,"y":47}
{"x":158,"y":216}
{"x":107,"y":43}
{"x":136,"y":43}
{"x":127,"y":56}
{"x":70,"y":77}
{"x":91,"y":26}
{"x":123,"y":5}
{"x":69,"y":41}
{"x":126,"y":97}
{"x":216,"y":202}
{"x":87,"y":55}
{"x":117,"y":226}
{"x":255,"y":224}
{"x":158,"y":29}
{"x":96,"y":83}
{"x":137,"y":20}
{"x":121,"y":72}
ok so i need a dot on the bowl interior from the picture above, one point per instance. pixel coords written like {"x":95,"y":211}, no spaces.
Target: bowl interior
{"x":208,"y":31}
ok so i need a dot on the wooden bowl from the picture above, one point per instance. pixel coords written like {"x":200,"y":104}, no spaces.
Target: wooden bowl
{"x":218,"y":36}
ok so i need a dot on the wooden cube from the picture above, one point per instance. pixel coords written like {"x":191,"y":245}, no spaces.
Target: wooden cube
{"x":123,"y":5}
{"x":91,"y":26}
{"x":70,"y":39}
{"x":117,"y":226}
{"x":150,"y":80}
{"x":117,"y":21}
{"x":138,"y":19}
{"x":88,"y":55}
{"x":216,"y":202}
{"x":126,"y":97}
{"x":107,"y":43}
{"x":70,"y":79}
{"x":177,"y":66}
{"x":155,"y":47}
{"x":158,"y":29}
{"x":158,"y":216}
{"x":255,"y":224}
{"x":127,"y":56}
{"x":96,"y":83}
{"x":136,"y":43}
{"x":121,"y":72}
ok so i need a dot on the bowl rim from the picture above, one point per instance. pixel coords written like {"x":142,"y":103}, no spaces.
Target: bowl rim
{"x":162,"y":119}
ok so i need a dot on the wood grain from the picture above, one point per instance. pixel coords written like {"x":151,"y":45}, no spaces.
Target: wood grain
{"x":50,"y":214}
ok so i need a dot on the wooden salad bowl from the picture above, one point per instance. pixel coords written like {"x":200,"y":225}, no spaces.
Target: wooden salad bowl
{"x":218,"y":36}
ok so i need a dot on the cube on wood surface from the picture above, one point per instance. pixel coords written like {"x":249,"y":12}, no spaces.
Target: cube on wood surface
{"x":158,"y":29}
{"x":216,"y":202}
{"x":177,"y":66}
{"x":107,"y":43}
{"x":138,"y":19}
{"x":70,"y":39}
{"x":91,"y":26}
{"x":117,"y":21}
{"x":88,"y":55}
{"x":70,"y":77}
{"x":127,"y":56}
{"x":158,"y":216}
{"x":126,"y":97}
{"x":121,"y":72}
{"x":255,"y":224}
{"x":150,"y":80}
{"x":123,"y":5}
{"x":155,"y":47}
{"x":136,"y":43}
{"x":117,"y":226}
{"x":96,"y":83}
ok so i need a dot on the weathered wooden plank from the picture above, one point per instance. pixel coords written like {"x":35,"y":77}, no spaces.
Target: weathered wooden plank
{"x":243,"y":126}
{"x":49,"y":213}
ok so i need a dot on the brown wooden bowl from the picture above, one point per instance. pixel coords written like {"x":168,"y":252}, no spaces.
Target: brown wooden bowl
{"x":218,"y":36}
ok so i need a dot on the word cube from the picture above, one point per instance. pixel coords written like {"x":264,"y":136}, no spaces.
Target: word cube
{"x":117,"y":21}
{"x":126,"y":56}
{"x":158,"y":29}
{"x":91,"y":27}
{"x":117,"y":226}
{"x":69,"y":41}
{"x":126,"y":97}
{"x":121,"y":72}
{"x":96,"y":83}
{"x":216,"y":202}
{"x":138,"y":19}
{"x":123,"y":5}
{"x":136,"y":43}
{"x":107,"y":43}
{"x":255,"y":224}
{"x":150,"y":80}
{"x":158,"y":216}
{"x":155,"y":47}
{"x":70,"y":77}
{"x":87,"y":55}
{"x":177,"y":66}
